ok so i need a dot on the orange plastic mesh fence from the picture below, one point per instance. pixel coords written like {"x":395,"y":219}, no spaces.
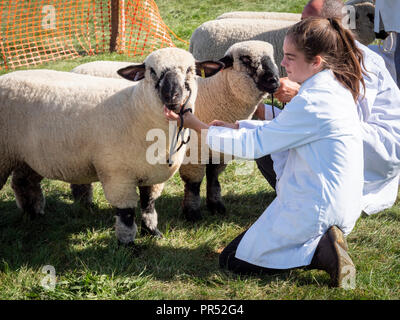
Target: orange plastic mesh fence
{"x":37,"y":31}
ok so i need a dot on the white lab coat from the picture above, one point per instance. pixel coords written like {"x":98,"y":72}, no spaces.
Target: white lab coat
{"x":379,"y":113}
{"x":322,"y":183}
{"x":386,"y":51}
{"x":388,"y":11}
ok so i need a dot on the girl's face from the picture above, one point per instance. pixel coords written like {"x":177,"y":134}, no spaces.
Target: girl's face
{"x":297,"y":68}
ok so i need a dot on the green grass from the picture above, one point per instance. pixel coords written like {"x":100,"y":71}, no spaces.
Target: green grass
{"x":89,"y":264}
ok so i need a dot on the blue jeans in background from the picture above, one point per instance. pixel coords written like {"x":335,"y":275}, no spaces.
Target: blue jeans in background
{"x":397,"y":58}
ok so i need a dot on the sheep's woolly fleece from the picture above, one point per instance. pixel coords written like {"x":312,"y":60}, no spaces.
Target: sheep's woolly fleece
{"x":80,"y":128}
{"x":211,"y":40}
{"x":64,"y":124}
{"x":107,"y":69}
{"x":260,"y":15}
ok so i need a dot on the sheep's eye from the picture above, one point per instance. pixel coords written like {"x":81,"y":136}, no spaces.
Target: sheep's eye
{"x":245,"y":59}
{"x":152,"y":72}
{"x":189,"y":70}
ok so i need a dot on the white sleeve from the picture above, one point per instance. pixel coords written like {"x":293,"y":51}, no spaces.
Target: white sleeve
{"x":367,"y":98}
{"x":294,"y":127}
{"x":251,"y":124}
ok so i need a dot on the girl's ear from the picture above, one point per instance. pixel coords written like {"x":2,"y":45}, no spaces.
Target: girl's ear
{"x":318,"y":61}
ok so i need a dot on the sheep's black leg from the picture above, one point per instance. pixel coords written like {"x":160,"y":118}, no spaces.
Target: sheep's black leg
{"x":214,"y":201}
{"x":120,"y":192}
{"x":26,"y":185}
{"x":191,"y":201}
{"x":83,"y":194}
{"x":192,"y":175}
{"x":148,"y":196}
{"x":125,"y":226}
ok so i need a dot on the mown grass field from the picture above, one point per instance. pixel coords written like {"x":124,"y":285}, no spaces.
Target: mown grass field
{"x":89,"y":264}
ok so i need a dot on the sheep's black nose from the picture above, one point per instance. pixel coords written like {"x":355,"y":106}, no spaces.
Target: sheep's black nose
{"x":269,"y":83}
{"x":171,"y":90}
{"x":274,"y":80}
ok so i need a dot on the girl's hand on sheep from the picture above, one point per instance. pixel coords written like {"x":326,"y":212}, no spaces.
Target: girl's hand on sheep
{"x":219,"y":123}
{"x":189,"y":120}
{"x":287,"y":90}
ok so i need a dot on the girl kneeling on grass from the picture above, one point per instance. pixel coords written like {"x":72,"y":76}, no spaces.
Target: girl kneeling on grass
{"x":319,"y":191}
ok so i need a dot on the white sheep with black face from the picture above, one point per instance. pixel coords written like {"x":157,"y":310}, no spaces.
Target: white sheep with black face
{"x":232,"y":94}
{"x":81,"y":129}
{"x":211,"y":39}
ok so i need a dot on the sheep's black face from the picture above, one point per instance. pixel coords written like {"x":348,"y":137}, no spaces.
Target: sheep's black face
{"x":268,"y":80}
{"x":263,"y":71}
{"x":170,"y":88}
{"x":170,"y":72}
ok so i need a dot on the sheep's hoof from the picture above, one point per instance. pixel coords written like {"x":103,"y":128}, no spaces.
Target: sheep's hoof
{"x":145,"y":230}
{"x":216,"y":207}
{"x":192,"y":215}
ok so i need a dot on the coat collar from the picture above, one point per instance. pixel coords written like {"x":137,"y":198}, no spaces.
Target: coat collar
{"x":322,"y":77}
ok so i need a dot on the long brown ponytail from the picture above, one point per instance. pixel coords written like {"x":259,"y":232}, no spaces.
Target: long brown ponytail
{"x":335,"y":44}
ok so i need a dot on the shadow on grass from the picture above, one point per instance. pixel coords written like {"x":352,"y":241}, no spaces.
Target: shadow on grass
{"x":242,"y":209}
{"x":76,"y":240}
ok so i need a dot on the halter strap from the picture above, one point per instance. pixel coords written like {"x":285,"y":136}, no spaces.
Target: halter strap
{"x":181,"y":132}
{"x":273,"y":107}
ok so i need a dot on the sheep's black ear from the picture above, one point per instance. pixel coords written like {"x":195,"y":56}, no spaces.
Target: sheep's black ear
{"x":227,"y":61}
{"x":208,"y":68}
{"x":133,"y":72}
